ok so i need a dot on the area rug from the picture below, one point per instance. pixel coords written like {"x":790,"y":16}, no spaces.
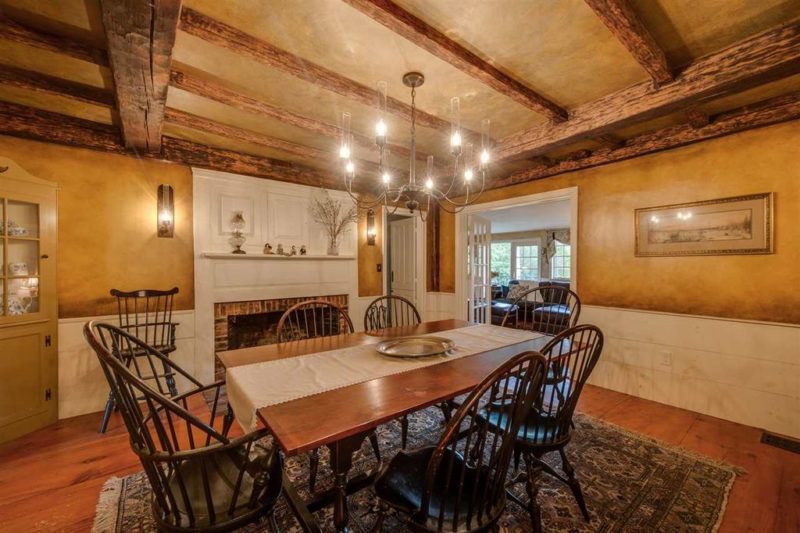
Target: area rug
{"x":630,"y":482}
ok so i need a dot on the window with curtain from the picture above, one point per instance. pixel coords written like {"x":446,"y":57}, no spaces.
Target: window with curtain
{"x":560,"y":263}
{"x":525,"y":261}
{"x":501,"y":262}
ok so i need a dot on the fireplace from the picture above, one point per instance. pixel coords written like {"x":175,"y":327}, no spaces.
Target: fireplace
{"x":254,"y":322}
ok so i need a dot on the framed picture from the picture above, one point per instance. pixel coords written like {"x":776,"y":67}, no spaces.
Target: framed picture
{"x":726,"y":226}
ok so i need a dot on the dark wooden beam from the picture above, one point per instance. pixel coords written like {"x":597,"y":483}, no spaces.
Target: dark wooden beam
{"x":140,"y":38}
{"x":770,"y":55}
{"x":42,"y":83}
{"x":697,"y":117}
{"x":39,"y":125}
{"x":609,"y":140}
{"x":429,"y":38}
{"x":221,"y":34}
{"x":188,"y":120}
{"x":219,"y":93}
{"x":772,"y":111}
{"x":17,"y":32}
{"x":200,"y":155}
{"x":624,"y":23}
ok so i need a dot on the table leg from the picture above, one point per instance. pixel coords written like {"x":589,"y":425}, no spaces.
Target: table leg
{"x":341,"y":461}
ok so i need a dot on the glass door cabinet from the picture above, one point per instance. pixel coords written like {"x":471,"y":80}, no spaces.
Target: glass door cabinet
{"x":28,"y":303}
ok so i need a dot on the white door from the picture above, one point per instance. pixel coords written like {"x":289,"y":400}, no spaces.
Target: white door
{"x":479,"y":277}
{"x":402,"y":250}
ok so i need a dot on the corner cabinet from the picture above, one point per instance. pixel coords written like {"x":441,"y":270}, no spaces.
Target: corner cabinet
{"x":28,"y":303}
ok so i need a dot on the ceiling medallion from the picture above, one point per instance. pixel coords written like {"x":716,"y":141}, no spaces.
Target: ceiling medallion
{"x":453,"y":187}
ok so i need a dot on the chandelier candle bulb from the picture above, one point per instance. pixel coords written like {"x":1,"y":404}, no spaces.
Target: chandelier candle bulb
{"x":386,"y":178}
{"x":350,"y":168}
{"x":429,"y":183}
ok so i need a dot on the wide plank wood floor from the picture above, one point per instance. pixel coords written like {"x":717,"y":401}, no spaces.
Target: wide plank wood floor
{"x":50,"y":479}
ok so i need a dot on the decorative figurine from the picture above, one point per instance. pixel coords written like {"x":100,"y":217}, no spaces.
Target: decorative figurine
{"x":280,"y":250}
{"x":303,"y":250}
{"x":293,"y":251}
{"x":268,"y":249}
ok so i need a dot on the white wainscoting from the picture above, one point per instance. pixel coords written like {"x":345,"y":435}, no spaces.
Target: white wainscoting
{"x":439,"y":306}
{"x":82,"y":387}
{"x":747,"y":372}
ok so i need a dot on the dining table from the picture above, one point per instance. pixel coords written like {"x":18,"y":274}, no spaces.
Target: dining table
{"x":341,"y":418}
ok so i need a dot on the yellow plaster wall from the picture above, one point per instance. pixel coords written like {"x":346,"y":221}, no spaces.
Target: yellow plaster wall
{"x":107,"y":224}
{"x":758,"y":287}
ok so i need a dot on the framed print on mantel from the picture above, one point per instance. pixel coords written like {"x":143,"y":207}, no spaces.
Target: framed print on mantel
{"x":726,"y":226}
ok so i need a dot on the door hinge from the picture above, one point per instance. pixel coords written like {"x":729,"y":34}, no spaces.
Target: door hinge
{"x":47,"y":341}
{"x":48,"y":395}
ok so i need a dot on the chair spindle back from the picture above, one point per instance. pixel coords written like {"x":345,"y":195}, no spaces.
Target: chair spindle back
{"x":311,"y":319}
{"x":389,"y":312}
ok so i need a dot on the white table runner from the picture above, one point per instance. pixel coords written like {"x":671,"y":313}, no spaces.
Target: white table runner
{"x":251,"y":387}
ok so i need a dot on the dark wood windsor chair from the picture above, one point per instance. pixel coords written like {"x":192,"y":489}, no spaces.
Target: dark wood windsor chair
{"x":390,"y":312}
{"x":147,"y":315}
{"x":549,"y":309}
{"x":460,"y":484}
{"x":309,"y":320}
{"x":202,"y":480}
{"x":571,"y":356}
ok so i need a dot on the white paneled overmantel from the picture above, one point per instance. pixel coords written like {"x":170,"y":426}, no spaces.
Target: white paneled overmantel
{"x":274,"y":213}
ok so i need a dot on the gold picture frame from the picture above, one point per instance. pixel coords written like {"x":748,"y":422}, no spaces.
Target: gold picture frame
{"x":724,"y":226}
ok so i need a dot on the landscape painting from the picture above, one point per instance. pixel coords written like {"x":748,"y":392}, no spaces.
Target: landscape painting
{"x":738,"y":225}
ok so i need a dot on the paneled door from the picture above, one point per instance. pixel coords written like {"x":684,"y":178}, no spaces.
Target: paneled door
{"x":28,"y":305}
{"x":402,"y":256}
{"x":479,"y":276}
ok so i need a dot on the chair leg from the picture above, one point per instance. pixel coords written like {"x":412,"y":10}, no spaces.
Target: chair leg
{"x":110,"y":405}
{"x":273,"y":524}
{"x":228,"y":421}
{"x":173,"y":390}
{"x":380,"y":519}
{"x":404,"y":431}
{"x":447,"y":411}
{"x":574,"y":484}
{"x":532,"y":488}
{"x":313,"y":469}
{"x":373,"y":440}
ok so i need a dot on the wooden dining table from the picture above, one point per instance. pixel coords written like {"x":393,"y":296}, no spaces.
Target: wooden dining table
{"x":342,"y":418}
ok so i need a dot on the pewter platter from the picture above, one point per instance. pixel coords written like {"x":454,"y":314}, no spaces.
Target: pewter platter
{"x":412,"y":347}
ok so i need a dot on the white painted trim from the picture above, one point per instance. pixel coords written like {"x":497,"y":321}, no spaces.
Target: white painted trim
{"x":569,"y":193}
{"x":702,"y":317}
{"x":421,"y":263}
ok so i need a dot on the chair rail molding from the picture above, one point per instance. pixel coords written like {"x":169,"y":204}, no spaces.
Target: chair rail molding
{"x":274,"y":213}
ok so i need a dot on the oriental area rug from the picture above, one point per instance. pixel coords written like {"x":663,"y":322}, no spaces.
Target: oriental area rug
{"x":630,"y":482}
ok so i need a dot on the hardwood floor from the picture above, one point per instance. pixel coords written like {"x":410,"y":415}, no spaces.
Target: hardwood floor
{"x":50,"y":479}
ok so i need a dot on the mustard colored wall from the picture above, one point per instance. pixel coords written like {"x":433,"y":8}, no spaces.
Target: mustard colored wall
{"x":107,"y":224}
{"x":370,"y":281}
{"x":757,"y":287}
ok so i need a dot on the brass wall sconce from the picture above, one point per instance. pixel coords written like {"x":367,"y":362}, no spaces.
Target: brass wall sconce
{"x":371,"y":232}
{"x":166,"y":211}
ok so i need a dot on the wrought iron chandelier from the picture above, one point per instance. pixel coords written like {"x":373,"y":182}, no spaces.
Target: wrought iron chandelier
{"x":465,"y":179}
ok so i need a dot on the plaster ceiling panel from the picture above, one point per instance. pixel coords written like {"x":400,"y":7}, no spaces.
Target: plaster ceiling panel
{"x":755,"y":95}
{"x":54,"y":64}
{"x":558,"y":48}
{"x":688,"y":29}
{"x":77,"y":19}
{"x":57,"y":104}
{"x":336,"y":36}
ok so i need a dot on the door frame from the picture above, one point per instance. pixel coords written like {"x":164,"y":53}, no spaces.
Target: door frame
{"x":420,"y":265}
{"x":568,"y":193}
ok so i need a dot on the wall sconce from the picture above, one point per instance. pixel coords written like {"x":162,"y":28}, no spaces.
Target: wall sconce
{"x":166,"y":211}
{"x":371,"y":232}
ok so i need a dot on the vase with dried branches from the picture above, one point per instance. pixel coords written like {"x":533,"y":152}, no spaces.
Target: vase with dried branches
{"x":334,"y":217}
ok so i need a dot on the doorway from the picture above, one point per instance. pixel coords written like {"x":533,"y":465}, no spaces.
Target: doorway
{"x":405,"y":258}
{"x":528,"y":241}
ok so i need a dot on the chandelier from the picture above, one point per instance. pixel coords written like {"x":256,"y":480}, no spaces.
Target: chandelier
{"x":453,"y":187}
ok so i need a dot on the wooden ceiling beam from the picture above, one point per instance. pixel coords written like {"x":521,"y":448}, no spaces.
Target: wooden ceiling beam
{"x":221,"y":34}
{"x":437,"y":43}
{"x":766,"y":113}
{"x":140,"y":38}
{"x":17,"y":32}
{"x":220,"y":93}
{"x":770,"y":55}
{"x":609,"y":140}
{"x":42,"y":83}
{"x":696,"y":117}
{"x":624,"y":23}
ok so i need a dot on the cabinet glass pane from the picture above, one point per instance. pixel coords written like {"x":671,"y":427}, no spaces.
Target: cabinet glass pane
{"x":23,"y":219}
{"x":23,"y":258}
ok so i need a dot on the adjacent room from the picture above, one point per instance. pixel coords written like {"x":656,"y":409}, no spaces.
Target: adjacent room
{"x":400,"y":265}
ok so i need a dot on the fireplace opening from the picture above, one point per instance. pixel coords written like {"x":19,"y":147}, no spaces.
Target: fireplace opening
{"x":255,"y":329}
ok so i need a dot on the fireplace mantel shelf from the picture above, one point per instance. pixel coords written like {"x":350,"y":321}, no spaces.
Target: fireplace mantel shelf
{"x":228,"y":255}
